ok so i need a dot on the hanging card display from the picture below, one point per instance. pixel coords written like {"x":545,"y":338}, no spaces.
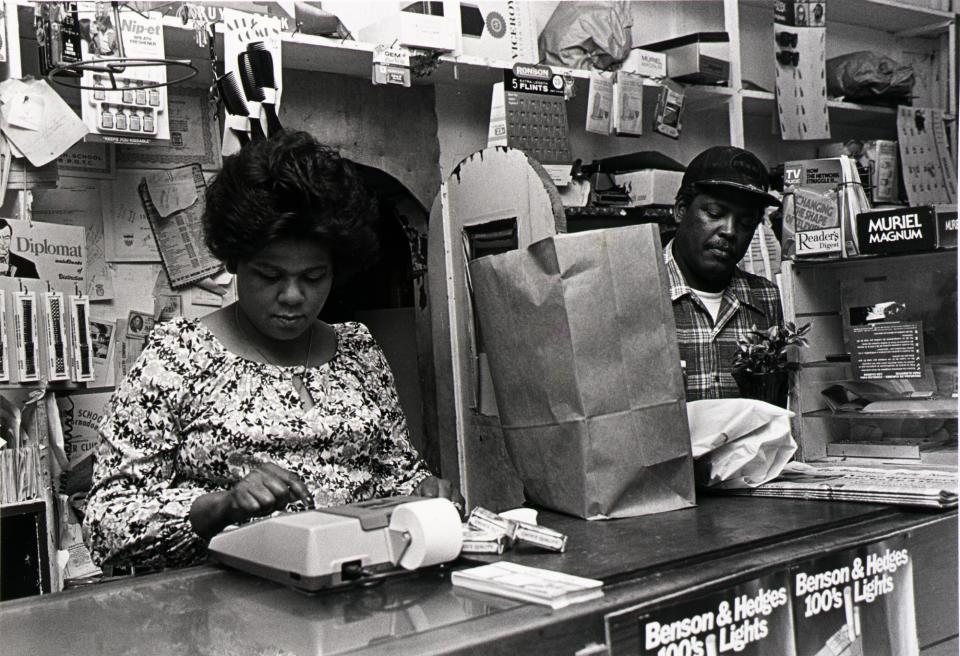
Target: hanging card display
{"x":129,"y":106}
{"x":799,"y":33}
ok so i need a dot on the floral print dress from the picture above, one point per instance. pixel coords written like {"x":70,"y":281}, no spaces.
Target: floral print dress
{"x":192,"y":418}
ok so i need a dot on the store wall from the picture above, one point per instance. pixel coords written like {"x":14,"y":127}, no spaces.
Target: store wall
{"x":388,"y":127}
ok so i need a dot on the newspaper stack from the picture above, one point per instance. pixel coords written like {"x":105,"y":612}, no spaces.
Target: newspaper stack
{"x":926,"y":488}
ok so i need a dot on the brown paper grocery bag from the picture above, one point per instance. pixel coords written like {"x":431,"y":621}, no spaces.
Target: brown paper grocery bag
{"x":579,"y":333}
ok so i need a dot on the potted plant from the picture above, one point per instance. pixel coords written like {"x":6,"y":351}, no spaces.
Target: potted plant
{"x":761,"y":367}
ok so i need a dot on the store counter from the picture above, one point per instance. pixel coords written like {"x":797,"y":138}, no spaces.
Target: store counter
{"x":646,"y":562}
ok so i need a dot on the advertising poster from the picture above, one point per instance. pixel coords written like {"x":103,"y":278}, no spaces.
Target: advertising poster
{"x":856,"y":602}
{"x":45,"y":251}
{"x":80,"y":206}
{"x":749,"y":619}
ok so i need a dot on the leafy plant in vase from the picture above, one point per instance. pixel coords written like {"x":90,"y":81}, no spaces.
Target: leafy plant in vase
{"x":761,"y":367}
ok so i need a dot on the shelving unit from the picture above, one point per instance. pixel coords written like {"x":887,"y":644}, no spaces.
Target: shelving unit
{"x":812,"y":293}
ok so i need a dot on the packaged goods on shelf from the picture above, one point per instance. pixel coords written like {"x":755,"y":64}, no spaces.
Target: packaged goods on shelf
{"x":404,"y":24}
{"x":698,"y":58}
{"x":502,"y":30}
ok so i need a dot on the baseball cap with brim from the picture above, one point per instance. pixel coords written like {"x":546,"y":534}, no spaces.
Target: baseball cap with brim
{"x":733,"y":168}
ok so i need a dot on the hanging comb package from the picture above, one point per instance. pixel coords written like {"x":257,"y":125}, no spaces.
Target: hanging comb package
{"x":81,"y":340}
{"x":251,"y":85}
{"x":56,"y":335}
{"x":257,"y":72}
{"x":25,"y":322}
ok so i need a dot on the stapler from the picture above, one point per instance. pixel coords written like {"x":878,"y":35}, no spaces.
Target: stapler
{"x":315,"y":550}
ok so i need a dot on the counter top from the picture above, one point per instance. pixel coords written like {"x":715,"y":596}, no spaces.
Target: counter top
{"x":212,"y":610}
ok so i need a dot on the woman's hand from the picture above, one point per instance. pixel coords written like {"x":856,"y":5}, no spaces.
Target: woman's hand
{"x":440,"y":487}
{"x":264,"y":490}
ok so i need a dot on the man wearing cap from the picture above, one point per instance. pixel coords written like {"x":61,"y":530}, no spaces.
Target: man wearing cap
{"x":720,"y":203}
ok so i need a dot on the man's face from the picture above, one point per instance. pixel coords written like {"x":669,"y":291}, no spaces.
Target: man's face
{"x":713,"y":234}
{"x":6,"y":234}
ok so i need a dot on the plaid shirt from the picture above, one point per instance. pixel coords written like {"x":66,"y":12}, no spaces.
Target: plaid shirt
{"x":707,"y":348}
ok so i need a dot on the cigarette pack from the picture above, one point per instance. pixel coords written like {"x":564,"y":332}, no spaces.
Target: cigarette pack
{"x":434,"y":25}
{"x":645,"y":62}
{"x":483,"y":542}
{"x":698,"y":58}
{"x":482,"y":519}
{"x":541,"y":536}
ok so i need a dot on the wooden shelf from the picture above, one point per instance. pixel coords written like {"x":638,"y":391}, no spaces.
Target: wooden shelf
{"x":899,"y":463}
{"x":938,"y":360}
{"x":763,"y":103}
{"x":854,"y":416}
{"x":23,"y":507}
{"x":904,"y":258}
{"x":884,"y":15}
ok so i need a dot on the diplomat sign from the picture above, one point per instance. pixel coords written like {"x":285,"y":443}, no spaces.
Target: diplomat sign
{"x":45,"y":250}
{"x":897,"y":230}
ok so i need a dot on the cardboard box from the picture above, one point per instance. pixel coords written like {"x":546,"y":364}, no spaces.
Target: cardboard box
{"x":645,"y":62}
{"x":403,"y":23}
{"x":504,"y":30}
{"x":897,"y":230}
{"x":946,"y":226}
{"x":650,"y":186}
{"x":698,"y":58}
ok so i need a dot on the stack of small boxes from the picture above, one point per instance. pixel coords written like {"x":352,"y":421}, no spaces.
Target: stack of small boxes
{"x":487,"y":532}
